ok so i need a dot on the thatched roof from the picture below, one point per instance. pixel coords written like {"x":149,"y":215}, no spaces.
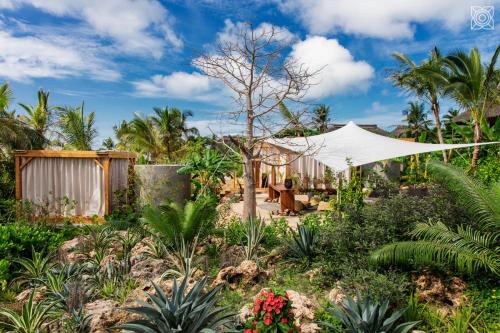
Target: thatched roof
{"x":490,"y":114}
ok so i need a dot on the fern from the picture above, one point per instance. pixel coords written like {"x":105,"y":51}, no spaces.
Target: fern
{"x":469,"y":248}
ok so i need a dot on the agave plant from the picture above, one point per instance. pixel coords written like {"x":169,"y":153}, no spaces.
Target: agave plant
{"x":31,"y":318}
{"x":469,"y":248}
{"x":34,"y":269}
{"x":367,"y":316}
{"x":127,"y":242}
{"x":304,"y":240}
{"x":183,"y":311}
{"x":254,"y":231}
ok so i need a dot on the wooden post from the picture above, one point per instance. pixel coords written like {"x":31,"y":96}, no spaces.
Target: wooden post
{"x":105,"y":171}
{"x":19,"y":184}
{"x":273,"y":175}
{"x":287,"y":165}
{"x":257,"y":173}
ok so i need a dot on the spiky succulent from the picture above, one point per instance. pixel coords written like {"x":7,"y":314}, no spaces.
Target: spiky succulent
{"x":368,"y":316}
{"x":184,"y":311}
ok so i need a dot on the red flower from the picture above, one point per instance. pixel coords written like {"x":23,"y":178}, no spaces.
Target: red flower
{"x":284,"y":320}
{"x":248,"y":330}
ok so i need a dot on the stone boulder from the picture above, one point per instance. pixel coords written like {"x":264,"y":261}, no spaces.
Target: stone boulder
{"x":148,"y":269}
{"x":106,"y":314}
{"x":69,"y":251}
{"x":432,"y":289}
{"x":337,"y":294}
{"x":248,"y":273}
{"x":24,"y":295}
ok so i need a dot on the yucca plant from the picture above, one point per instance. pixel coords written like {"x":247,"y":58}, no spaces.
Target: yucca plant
{"x":254,"y":231}
{"x":303,"y":246}
{"x":183,"y":311}
{"x":183,"y":258}
{"x":172,"y":220}
{"x":367,"y":316}
{"x":31,"y":318}
{"x":34,"y":269}
{"x":469,"y":248}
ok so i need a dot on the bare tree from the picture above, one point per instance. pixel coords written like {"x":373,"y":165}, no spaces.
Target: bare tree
{"x":253,"y":65}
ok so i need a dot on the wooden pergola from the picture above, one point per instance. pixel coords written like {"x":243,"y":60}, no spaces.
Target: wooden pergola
{"x":102,"y":159}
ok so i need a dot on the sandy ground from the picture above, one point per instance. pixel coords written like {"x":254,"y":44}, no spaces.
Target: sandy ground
{"x":237,"y":208}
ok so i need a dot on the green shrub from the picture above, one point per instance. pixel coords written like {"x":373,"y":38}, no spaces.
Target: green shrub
{"x":390,"y":285}
{"x":18,"y":240}
{"x":4,"y":270}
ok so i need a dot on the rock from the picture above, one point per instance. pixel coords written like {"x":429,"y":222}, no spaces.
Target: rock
{"x":310,"y":328}
{"x":302,"y":307}
{"x":299,"y":206}
{"x":324,"y":206}
{"x":139,"y":294}
{"x":232,"y":256}
{"x":69,"y":251}
{"x":445,"y":294}
{"x":303,"y":198}
{"x":336,"y":295}
{"x":148,"y":269}
{"x":247,"y":273}
{"x":106,"y":314}
{"x":24,"y":295}
{"x":312,"y":274}
{"x":140,"y":251}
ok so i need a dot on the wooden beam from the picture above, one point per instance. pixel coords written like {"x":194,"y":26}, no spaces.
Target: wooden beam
{"x":75,"y":154}
{"x":273,"y":175}
{"x":98,"y":163}
{"x":105,"y":171}
{"x":19,"y":184}
{"x":287,"y":165}
{"x":26,"y":162}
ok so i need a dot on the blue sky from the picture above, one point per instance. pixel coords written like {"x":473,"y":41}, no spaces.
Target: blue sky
{"x":126,"y":56}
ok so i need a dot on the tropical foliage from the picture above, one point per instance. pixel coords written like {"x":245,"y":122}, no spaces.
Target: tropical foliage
{"x":469,"y":248}
{"x":367,"y":316}
{"x":173,"y":220}
{"x":186,"y":311}
{"x":77,"y":129}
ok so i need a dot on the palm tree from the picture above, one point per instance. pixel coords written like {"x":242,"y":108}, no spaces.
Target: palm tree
{"x":416,"y":117}
{"x":141,"y":135}
{"x":169,"y":124}
{"x":474,"y":86}
{"x":188,"y":131}
{"x":470,"y":248}
{"x":14,"y":134}
{"x":452,"y":113}
{"x":108,"y":143}
{"x":38,"y":117}
{"x":77,"y":130}
{"x":321,"y":117}
{"x":6,"y":97}
{"x":419,"y":80}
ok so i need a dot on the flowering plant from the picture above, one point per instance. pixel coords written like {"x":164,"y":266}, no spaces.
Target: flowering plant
{"x":272,"y":313}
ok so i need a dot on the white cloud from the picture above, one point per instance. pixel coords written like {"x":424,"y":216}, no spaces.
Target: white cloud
{"x":181,"y":85}
{"x":380,"y":114}
{"x":26,"y":57}
{"x":137,"y":27}
{"x":338,"y":71}
{"x":382,"y":18}
{"x":232,"y":31}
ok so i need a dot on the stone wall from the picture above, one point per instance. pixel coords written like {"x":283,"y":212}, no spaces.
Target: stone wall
{"x":158,"y":183}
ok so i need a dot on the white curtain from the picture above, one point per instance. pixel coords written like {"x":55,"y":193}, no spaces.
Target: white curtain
{"x":64,"y":186}
{"x":118,"y":173}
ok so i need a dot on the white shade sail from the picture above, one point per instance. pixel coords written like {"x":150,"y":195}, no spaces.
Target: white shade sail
{"x":353,"y":146}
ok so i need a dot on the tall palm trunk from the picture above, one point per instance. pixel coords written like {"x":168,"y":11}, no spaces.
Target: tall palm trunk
{"x":477,"y":139}
{"x":435,"y":112}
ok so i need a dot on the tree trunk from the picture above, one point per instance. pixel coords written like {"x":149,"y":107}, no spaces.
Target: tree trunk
{"x":249,"y":199}
{"x":477,"y":139}
{"x":435,"y":111}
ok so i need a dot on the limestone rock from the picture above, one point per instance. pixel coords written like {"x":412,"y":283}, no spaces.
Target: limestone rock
{"x":298,"y":206}
{"x":106,"y":314}
{"x":324,"y":206}
{"x":302,"y":307}
{"x":247,"y":273}
{"x":336,"y":295}
{"x":445,"y":294}
{"x":24,"y":295}
{"x":69,"y":251}
{"x":148,"y":269}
